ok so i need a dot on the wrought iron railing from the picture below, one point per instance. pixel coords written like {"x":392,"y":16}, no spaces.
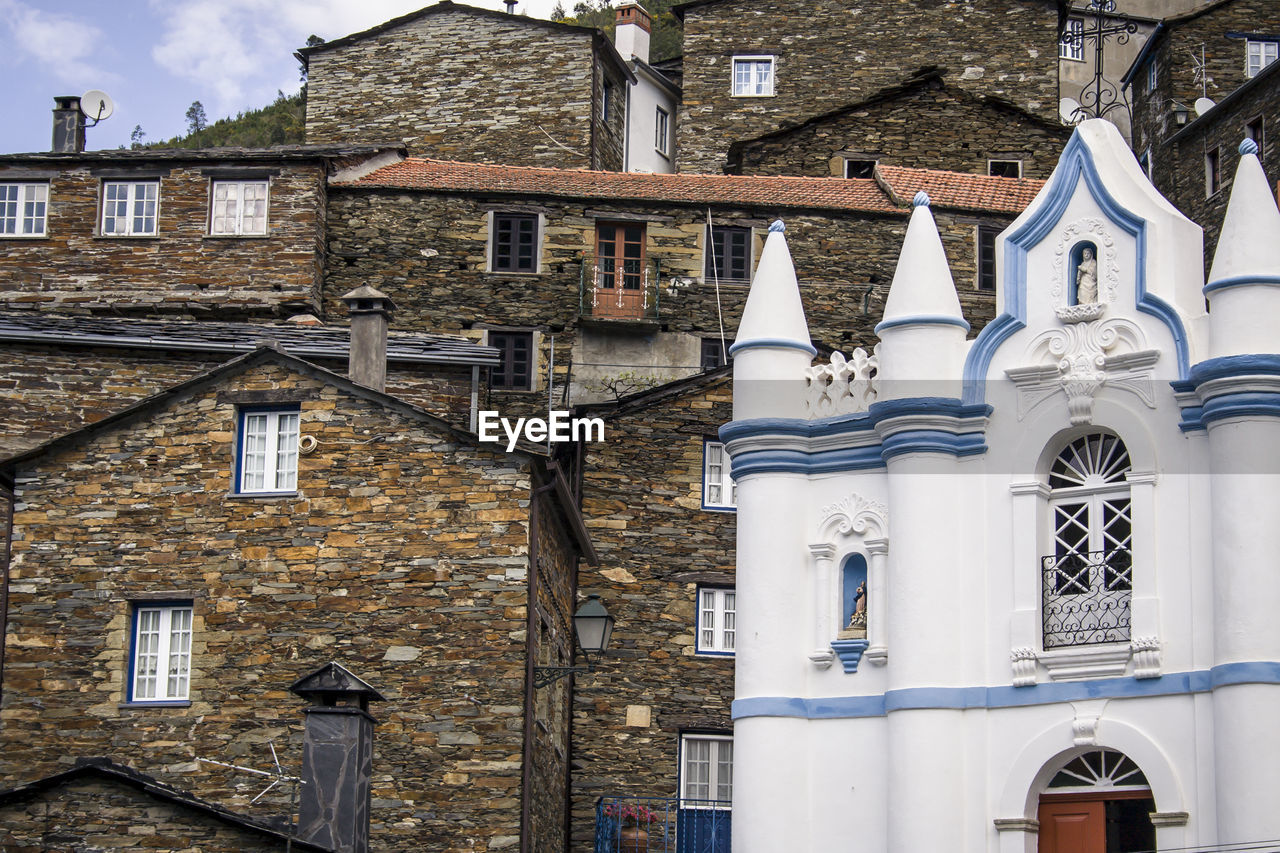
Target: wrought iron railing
{"x":1086,"y":598}
{"x":619,"y":288}
{"x":662,"y":825}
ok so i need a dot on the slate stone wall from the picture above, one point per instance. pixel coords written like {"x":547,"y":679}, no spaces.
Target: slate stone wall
{"x":460,"y":85}
{"x":404,"y":556}
{"x":828,"y":56}
{"x":930,"y":126}
{"x":183,"y":271}
{"x":46,"y":391}
{"x":94,"y":814}
{"x":642,"y":502}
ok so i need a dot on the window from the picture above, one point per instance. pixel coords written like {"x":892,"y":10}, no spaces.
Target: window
{"x":729,"y":253}
{"x":718,"y":489}
{"x":607,"y":106}
{"x":1088,"y":578}
{"x":712,"y":356}
{"x":661,"y":130}
{"x":1253,"y":130}
{"x":1153,"y":75}
{"x":987,"y":257}
{"x":514,"y":241}
{"x":859,"y":168}
{"x":1212,"y":162}
{"x":516,"y":371}
{"x":239,"y":208}
{"x":717,"y":621}
{"x":161,"y":660}
{"x":1072,"y":44}
{"x":23,"y":208}
{"x":1144,"y":162}
{"x":129,"y":208}
{"x":752,"y":76}
{"x":621,"y":280}
{"x":268,"y":459}
{"x":706,"y":769}
{"x":1258,"y":55}
{"x":1004,"y":168}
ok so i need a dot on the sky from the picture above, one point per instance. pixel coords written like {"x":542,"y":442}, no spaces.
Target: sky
{"x":155,"y":57}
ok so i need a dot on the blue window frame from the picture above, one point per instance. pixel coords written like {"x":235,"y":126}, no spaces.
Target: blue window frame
{"x":160,"y":653}
{"x":267,"y":450}
{"x":717,"y":620}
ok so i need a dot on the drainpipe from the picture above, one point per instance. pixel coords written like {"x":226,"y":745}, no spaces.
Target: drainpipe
{"x":531,"y":631}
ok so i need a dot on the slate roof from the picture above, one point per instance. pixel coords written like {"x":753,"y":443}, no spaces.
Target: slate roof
{"x":323,"y":342}
{"x":865,"y":195}
{"x":273,"y":153}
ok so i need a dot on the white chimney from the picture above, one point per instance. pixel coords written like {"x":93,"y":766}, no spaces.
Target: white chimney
{"x":631,"y":31}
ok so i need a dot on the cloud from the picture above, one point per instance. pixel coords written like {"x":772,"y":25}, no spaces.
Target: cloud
{"x":59,"y":44}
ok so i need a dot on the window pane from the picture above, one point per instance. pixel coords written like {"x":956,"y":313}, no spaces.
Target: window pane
{"x":179,"y":653}
{"x":9,"y":208}
{"x":146,"y":659}
{"x":287,"y":452}
{"x":724,"y":770}
{"x":697,"y":769}
{"x":254,"y":453}
{"x":33,"y":213}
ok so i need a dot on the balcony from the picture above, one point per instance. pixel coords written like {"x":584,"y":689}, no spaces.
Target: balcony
{"x":1086,"y":598}
{"x":619,"y":289}
{"x":661,"y":825}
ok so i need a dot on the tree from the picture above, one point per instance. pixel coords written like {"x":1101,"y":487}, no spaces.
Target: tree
{"x":196,"y":119}
{"x":135,"y":138}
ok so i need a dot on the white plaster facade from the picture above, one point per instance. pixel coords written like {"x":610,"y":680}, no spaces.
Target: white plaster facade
{"x":930,"y":459}
{"x":651,"y":140}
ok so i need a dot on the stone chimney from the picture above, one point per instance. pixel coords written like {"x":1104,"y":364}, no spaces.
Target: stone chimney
{"x":337,"y":759}
{"x":632,"y":26}
{"x":370,"y":309}
{"x":68,"y":125}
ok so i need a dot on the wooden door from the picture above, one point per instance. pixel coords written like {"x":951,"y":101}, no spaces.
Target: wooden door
{"x":1073,"y":827}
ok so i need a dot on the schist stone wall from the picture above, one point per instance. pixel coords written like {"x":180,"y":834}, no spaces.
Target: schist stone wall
{"x":404,"y":556}
{"x":458,"y":83}
{"x":46,"y":391}
{"x":427,"y":251}
{"x":182,"y":271}
{"x":656,"y":546}
{"x":928,"y":125}
{"x":828,"y":56}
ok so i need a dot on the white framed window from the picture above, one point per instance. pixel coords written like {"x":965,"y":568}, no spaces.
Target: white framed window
{"x":1258,"y":55}
{"x":239,"y":209}
{"x":706,"y":771}
{"x":1072,"y":44}
{"x":1153,"y":75}
{"x":718,"y":489}
{"x":161,"y":659}
{"x":752,"y":76}
{"x":661,"y":130}
{"x":129,"y":208}
{"x":1088,"y":579}
{"x":717,"y":620}
{"x":23,"y":209}
{"x":268,"y":451}
{"x":1004,"y":168}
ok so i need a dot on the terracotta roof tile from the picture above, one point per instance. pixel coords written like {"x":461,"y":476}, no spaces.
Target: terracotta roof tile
{"x":947,"y":189}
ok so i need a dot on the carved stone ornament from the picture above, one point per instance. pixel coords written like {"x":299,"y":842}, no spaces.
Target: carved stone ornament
{"x":1079,"y":359}
{"x":855,"y":515}
{"x":1084,"y":730}
{"x":1095,"y":231}
{"x":1024,"y":667}
{"x":844,"y":386}
{"x":1146,"y":657}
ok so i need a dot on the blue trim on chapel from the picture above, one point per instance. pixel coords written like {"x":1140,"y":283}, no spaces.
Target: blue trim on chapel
{"x":1228,"y":403}
{"x":1076,"y":162}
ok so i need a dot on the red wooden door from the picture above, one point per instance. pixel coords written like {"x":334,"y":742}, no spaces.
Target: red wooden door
{"x":1073,"y":827}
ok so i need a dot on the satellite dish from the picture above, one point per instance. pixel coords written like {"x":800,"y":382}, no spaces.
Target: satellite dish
{"x":1069,"y":111}
{"x":96,"y":105}
{"x":1203,"y":105}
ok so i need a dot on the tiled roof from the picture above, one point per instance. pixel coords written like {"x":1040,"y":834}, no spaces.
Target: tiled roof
{"x":949,"y":189}
{"x":333,"y":342}
{"x":957,"y":190}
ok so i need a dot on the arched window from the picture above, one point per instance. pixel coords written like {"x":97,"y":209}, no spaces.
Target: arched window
{"x":1098,"y":801}
{"x":1088,"y":578}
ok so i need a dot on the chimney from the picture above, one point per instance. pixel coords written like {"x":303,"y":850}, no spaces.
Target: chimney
{"x":370,"y":309}
{"x":68,"y":125}
{"x":337,"y":759}
{"x":511,"y":6}
{"x":632,"y":26}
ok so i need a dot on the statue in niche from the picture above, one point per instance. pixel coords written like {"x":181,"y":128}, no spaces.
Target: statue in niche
{"x":857,"y":626}
{"x":1087,"y":277}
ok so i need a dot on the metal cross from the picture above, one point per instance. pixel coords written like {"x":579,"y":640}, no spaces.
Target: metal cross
{"x":1101,"y":96}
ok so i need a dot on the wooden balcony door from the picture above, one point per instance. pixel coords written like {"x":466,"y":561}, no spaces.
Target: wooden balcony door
{"x":1097,"y":822}
{"x":1073,"y":827}
{"x":619,"y":280}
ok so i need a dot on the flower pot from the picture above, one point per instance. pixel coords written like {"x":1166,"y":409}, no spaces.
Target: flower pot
{"x":633,"y":839}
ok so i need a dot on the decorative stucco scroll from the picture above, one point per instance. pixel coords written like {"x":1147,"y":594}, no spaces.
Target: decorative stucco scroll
{"x":844,"y":386}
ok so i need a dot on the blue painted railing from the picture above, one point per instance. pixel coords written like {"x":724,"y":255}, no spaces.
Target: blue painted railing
{"x":661,"y":825}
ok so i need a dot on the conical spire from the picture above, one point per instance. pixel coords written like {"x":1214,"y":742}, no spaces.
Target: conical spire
{"x":1249,"y":244}
{"x":773,"y":316}
{"x":922,"y":291}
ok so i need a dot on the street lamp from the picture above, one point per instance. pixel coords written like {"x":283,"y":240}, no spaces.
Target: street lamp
{"x":593,"y":626}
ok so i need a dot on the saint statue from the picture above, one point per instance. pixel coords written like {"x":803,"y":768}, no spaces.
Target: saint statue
{"x":1087,"y":278}
{"x":859,"y":617}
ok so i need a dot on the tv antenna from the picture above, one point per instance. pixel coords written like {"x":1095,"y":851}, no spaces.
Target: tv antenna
{"x":96,"y":106}
{"x":1199,"y":72}
{"x":277,"y":777}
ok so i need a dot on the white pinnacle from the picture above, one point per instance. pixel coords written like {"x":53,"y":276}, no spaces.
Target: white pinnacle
{"x":773,"y":315}
{"x":922,"y":287}
{"x":1249,"y":244}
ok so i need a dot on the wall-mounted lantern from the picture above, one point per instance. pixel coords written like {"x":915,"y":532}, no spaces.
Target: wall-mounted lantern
{"x":593,"y":626}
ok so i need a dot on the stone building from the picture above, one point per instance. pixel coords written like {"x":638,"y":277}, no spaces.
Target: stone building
{"x":462,"y":83}
{"x":751,"y":67}
{"x":177,"y":565}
